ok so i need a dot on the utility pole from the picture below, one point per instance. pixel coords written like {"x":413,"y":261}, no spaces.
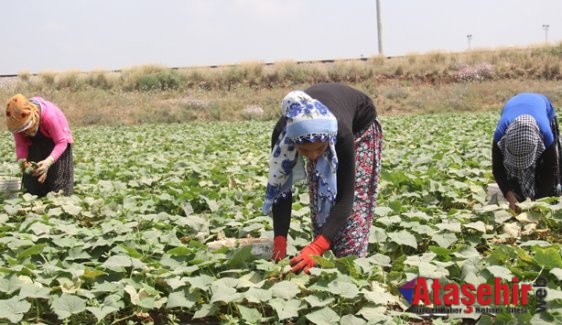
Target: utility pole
{"x":469,"y":38}
{"x":545,"y":28}
{"x":379,"y":27}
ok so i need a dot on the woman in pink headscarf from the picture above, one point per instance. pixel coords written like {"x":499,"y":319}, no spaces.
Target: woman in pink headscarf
{"x":42,"y":136}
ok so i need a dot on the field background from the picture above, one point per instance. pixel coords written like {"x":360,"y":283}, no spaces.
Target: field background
{"x":435,"y":82}
{"x":168,"y":160}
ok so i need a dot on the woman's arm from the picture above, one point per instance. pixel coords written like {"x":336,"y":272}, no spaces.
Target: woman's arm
{"x":547,"y":174}
{"x":346,"y":188}
{"x":55,"y":130}
{"x":281,"y":210}
{"x":498,"y":169}
{"x":22,"y":144}
{"x":500,"y":175}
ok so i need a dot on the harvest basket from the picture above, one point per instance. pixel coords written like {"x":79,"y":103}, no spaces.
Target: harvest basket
{"x":261,"y":247}
{"x":9,"y":186}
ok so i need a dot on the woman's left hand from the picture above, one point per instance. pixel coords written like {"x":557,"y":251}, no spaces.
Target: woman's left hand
{"x":42,"y":169}
{"x":304,"y":261}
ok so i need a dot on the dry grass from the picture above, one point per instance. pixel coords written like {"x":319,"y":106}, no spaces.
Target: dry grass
{"x":433,"y":82}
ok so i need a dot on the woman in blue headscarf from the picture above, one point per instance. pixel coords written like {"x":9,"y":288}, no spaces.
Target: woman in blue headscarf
{"x":525,"y":150}
{"x":335,"y":129}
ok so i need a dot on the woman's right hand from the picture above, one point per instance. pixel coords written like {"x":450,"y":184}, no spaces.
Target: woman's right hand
{"x":279,"y":248}
{"x":512,"y":200}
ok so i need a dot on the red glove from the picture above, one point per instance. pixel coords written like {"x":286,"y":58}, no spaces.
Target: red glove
{"x":279,"y":248}
{"x":304,"y":260}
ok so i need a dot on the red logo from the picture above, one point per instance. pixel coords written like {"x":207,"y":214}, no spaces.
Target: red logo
{"x":513,"y":296}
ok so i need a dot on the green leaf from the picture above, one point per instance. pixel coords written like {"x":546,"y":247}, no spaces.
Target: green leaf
{"x":451,"y":226}
{"x":131,"y":251}
{"x":13,"y":309}
{"x":553,"y":294}
{"x":375,"y":315}
{"x":72,"y":209}
{"x":323,"y":316}
{"x":501,"y":216}
{"x":343,"y":289}
{"x":285,"y":289}
{"x":383,"y":211}
{"x":118,"y":262}
{"x":146,"y":297}
{"x":257,"y":295}
{"x":379,"y":259}
{"x":206,"y":310}
{"x":241,"y":257}
{"x":478,"y":226}
{"x":9,"y":285}
{"x":379,"y":295}
{"x":444,"y":253}
{"x":33,"y":250}
{"x":111,"y":304}
{"x":54,"y":212}
{"x":285,"y":309}
{"x":92,"y":274}
{"x":67,"y":305}
{"x":377,"y":235}
{"x":403,"y":237}
{"x":226,"y":282}
{"x":34,"y":291}
{"x":39,"y":228}
{"x":180,"y":251}
{"x":444,"y":240}
{"x":315,"y":301}
{"x":557,"y":272}
{"x":225,"y":294}
{"x":548,"y":258}
{"x":352,"y":320}
{"x":202,"y":281}
{"x":500,"y":272}
{"x":182,"y":299}
{"x":251,"y":315}
{"x":417,"y":260}
{"x":389,"y":221}
{"x":12,"y":210}
{"x":101,"y":312}
{"x":428,"y":270}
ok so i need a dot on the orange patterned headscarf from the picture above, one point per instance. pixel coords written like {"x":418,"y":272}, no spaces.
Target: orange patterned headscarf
{"x":22,"y":115}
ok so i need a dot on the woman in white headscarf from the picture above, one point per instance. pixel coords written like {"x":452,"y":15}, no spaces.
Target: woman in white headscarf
{"x":525,"y":150}
{"x":335,"y":129}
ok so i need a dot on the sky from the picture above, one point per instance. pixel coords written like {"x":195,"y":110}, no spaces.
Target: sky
{"x":86,"y":35}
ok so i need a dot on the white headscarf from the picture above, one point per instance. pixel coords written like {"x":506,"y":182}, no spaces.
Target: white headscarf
{"x":308,"y":120}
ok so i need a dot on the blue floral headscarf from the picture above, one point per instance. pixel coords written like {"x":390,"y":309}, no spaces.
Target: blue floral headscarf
{"x":308,"y":120}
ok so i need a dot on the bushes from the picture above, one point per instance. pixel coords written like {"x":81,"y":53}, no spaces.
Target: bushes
{"x":436,"y":68}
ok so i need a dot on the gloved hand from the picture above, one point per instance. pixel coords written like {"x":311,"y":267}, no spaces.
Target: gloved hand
{"x":43,"y":168}
{"x":304,"y":261}
{"x":279,"y":248}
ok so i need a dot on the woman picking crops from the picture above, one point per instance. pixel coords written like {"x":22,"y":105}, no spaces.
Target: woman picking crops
{"x":525,"y":150}
{"x":43,"y":145}
{"x":335,"y":127}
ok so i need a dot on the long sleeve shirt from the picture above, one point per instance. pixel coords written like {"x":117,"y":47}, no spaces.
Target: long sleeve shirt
{"x":354,"y":111}
{"x":53,"y":124}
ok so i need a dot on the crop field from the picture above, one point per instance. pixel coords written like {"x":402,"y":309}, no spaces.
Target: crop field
{"x":130,"y":247}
